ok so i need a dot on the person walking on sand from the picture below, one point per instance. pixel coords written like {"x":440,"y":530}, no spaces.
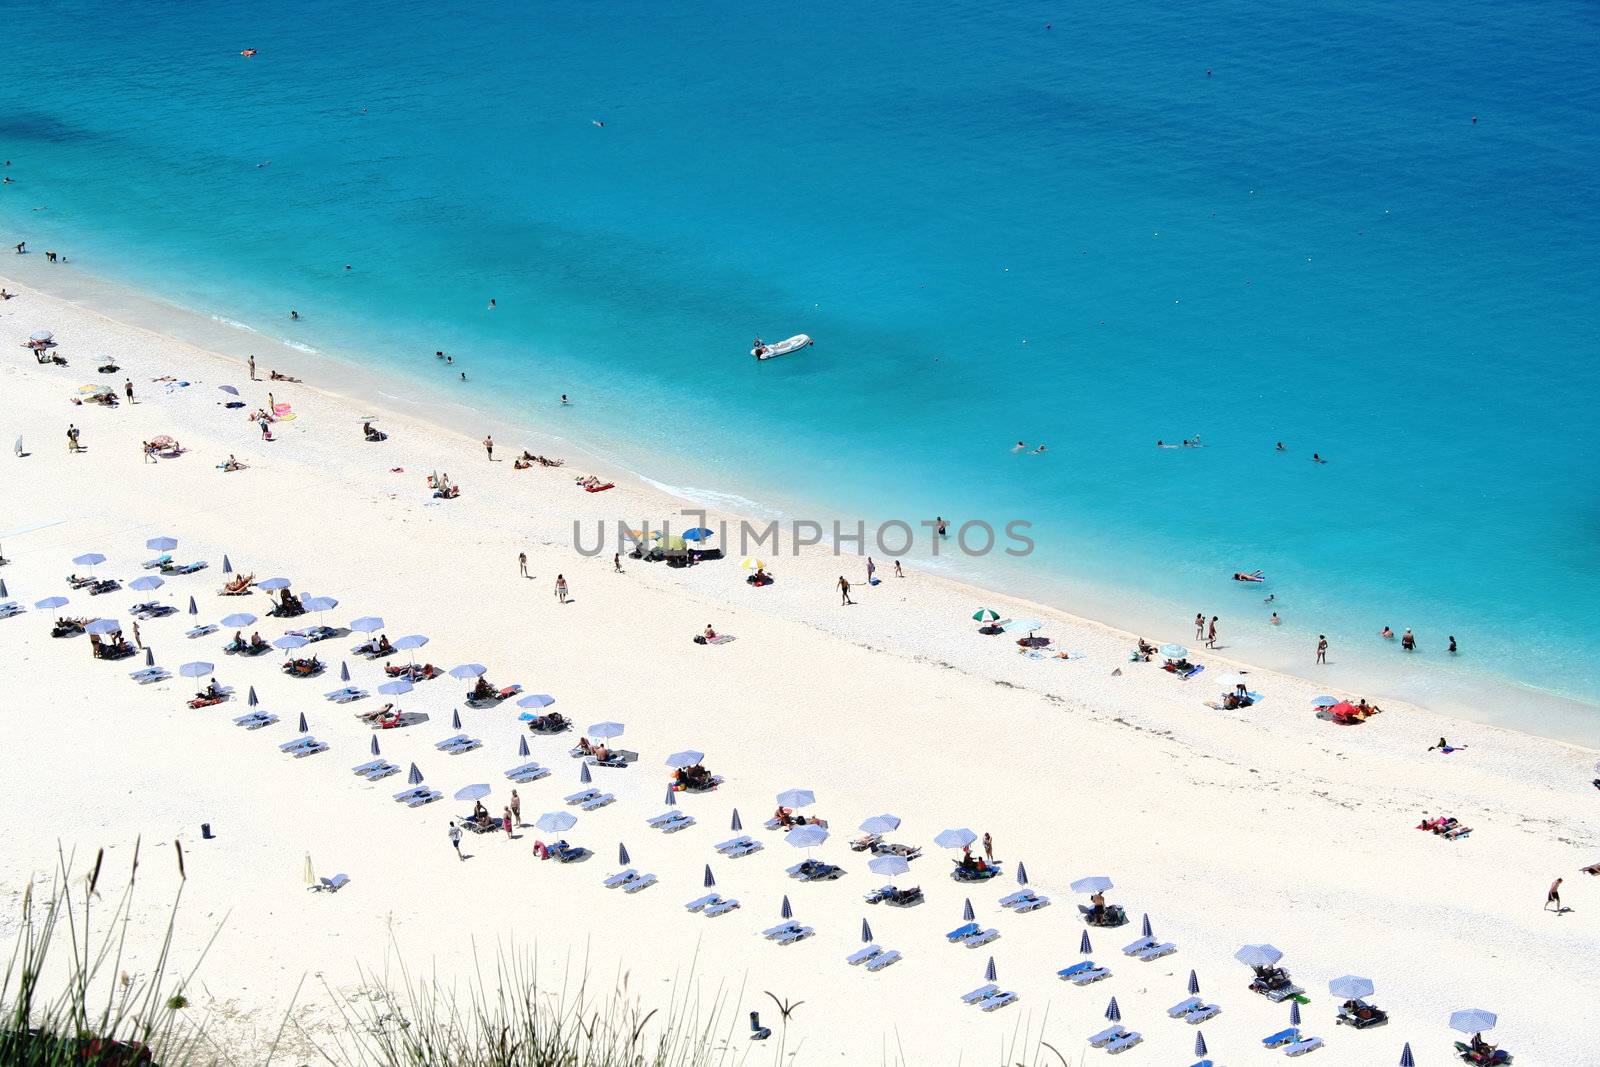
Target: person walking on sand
{"x":455,"y":839}
{"x":844,"y":591}
{"x":988,"y":847}
{"x":1554,"y":896}
{"x":127,"y":389}
{"x":1211,"y":634}
{"x":252,"y":364}
{"x":72,"y":439}
{"x":898,"y":573}
{"x":488,"y":446}
{"x":522,"y":563}
{"x":561,"y":588}
{"x":871,"y":569}
{"x":516,"y":807}
{"x":505,"y":823}
{"x":1322,"y":648}
{"x":149,"y":453}
{"x":616,"y":562}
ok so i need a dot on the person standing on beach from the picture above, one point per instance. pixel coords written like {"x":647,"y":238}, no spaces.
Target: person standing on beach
{"x":127,"y":389}
{"x":522,"y":563}
{"x":516,"y":807}
{"x":488,"y":446}
{"x":72,"y":439}
{"x":1554,"y":896}
{"x":844,"y":591}
{"x":1322,"y":648}
{"x":898,"y":573}
{"x":505,"y":823}
{"x":252,"y":365}
{"x":1211,"y":634}
{"x":1199,"y":626}
{"x":138,"y":642}
{"x":988,"y":847}
{"x":616,"y":562}
{"x":455,"y":839}
{"x":561,"y":588}
{"x":871,"y":569}
{"x":149,"y":453}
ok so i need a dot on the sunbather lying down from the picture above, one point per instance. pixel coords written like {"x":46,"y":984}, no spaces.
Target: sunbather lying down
{"x":1593,"y":868}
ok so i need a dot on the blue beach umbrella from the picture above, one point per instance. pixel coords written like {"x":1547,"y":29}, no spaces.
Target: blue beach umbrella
{"x":672,"y":796}
{"x":149,"y":657}
{"x":1351,"y":987}
{"x":290,"y":642}
{"x":606,"y":730}
{"x":699,"y":533}
{"x":88,"y":559}
{"x":252,"y":698}
{"x":687,"y":758}
{"x":989,"y":973}
{"x":1021,"y":625}
{"x":796,"y":798}
{"x":1258,"y":955}
{"x":320,"y":603}
{"x":522,"y":745}
{"x":411,"y":642}
{"x":880,"y":824}
{"x":866,"y":932}
{"x":272,"y":585}
{"x":1473,"y":1021}
{"x":395,"y":688}
{"x":1022,"y":876}
{"x":1294,"y":1013}
{"x":808,"y":836}
{"x":194,"y":609}
{"x":103,"y":627}
{"x":1173,"y":651}
{"x":737,"y":825}
{"x":1113,"y":1012}
{"x":144,"y":584}
{"x":536,"y":700}
{"x":4,"y":592}
{"x":375,"y":749}
{"x":303,"y":728}
{"x":709,"y":879}
{"x":889,"y":866}
{"x":227,"y":564}
{"x":467,"y":670}
{"x":955,"y":838}
{"x":1083,"y":944}
{"x":1194,"y":983}
{"x":1199,"y":1043}
{"x":455,"y":723}
{"x":366,"y":624}
{"x":967,"y":914}
{"x":344,"y":671}
{"x":235,"y":621}
{"x":583,"y":774}
{"x":162,"y":544}
{"x":230,"y":390}
{"x":415,"y":777}
{"x":622,"y":854}
{"x":1145,"y":928}
{"x":472,"y":792}
{"x":786,"y":912}
{"x":1324,"y":701}
{"x":1405,"y":1057}
{"x":556,"y":821}
{"x":50,"y":603}
{"x":1098,"y":883}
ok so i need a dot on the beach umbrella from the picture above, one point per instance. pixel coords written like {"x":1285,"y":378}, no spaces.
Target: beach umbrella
{"x":583,"y":771}
{"x":786,"y":912}
{"x":699,"y":533}
{"x":955,"y":838}
{"x":1199,"y":1043}
{"x":51,"y":602}
{"x":467,"y":670}
{"x":1113,"y":1012}
{"x":866,"y":932}
{"x":4,"y":592}
{"x":1473,"y":1021}
{"x":1083,"y":944}
{"x":989,"y":973}
{"x":1258,"y":955}
{"x":1194,"y":982}
{"x":375,"y":749}
{"x":472,"y":792}
{"x":235,"y":621}
{"x":303,"y":728}
{"x":522,"y":745}
{"x":967,"y":914}
{"x":162,"y":544}
{"x":230,"y":390}
{"x":1021,"y":625}
{"x":194,"y":609}
{"x":1098,"y":883}
{"x":709,"y":880}
{"x":88,"y":559}
{"x":149,"y":657}
{"x":1022,"y":877}
{"x":1324,"y":701}
{"x":1145,"y":929}
{"x":252,"y":698}
{"x":796,"y":798}
{"x":737,"y":825}
{"x":41,"y":336}
{"x":880,"y":824}
{"x":536,"y":700}
{"x":687,"y":758}
{"x":366,"y":624}
{"x":455,"y":724}
{"x":1405,"y":1057}
{"x":410,"y":642}
{"x":751,"y":563}
{"x":344,"y":671}
{"x":672,"y":794}
{"x":272,"y":585}
{"x":985,"y":615}
{"x":808,"y":836}
{"x":1351,"y":987}
{"x":1173,"y":651}
{"x":103,"y":627}
{"x":1227,"y":683}
{"x":227,"y":564}
{"x":143,"y":584}
{"x":290,"y":642}
{"x":622,"y":854}
{"x":415,"y":777}
{"x":604,"y":730}
{"x":556,"y":821}
{"x":319,"y":604}
{"x":1294,"y":1013}
{"x":395,"y":688}
{"x":889,"y":866}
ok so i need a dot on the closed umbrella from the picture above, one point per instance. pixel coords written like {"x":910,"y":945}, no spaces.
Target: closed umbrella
{"x":310,"y":875}
{"x":1351,"y":987}
{"x":687,"y":758}
{"x":522,"y":745}
{"x":303,"y":728}
{"x":583,"y":774}
{"x":989,"y":973}
{"x":1199,"y":1043}
{"x":786,"y":912}
{"x":194,"y":609}
{"x":375,"y":750}
{"x":196,"y":669}
{"x":866,"y":932}
{"x":888,"y":866}
{"x":556,"y":821}
{"x":162,"y":544}
{"x":967,"y":914}
{"x":344,"y":671}
{"x":1473,"y":1021}
{"x":234,"y":622}
{"x":227,"y":564}
{"x":144,"y":584}
{"x":536,"y":700}
{"x":472,"y":792}
{"x":1022,"y":876}
{"x":672,"y":795}
{"x":1083,"y":944}
{"x":1194,"y":984}
{"x":1258,"y":955}
{"x":955,"y":838}
{"x":796,"y":798}
{"x":366,"y":624}
{"x":709,"y":880}
{"x":455,"y":723}
{"x":880,"y":824}
{"x":4,"y":592}
{"x":1113,"y":1012}
{"x":251,"y":699}
{"x":1294,"y":1013}
{"x":622,"y":854}
{"x":737,"y":825}
{"x":50,"y":603}
{"x":1145,"y":929}
{"x":1405,"y":1057}
{"x":149,"y":657}
{"x":415,"y":777}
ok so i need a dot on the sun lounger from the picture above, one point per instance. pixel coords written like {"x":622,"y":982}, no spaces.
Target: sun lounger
{"x":1013,"y":899}
{"x":981,"y":993}
{"x":1185,"y":1007}
{"x":582,"y":796}
{"x":621,"y":878}
{"x":1201,"y":1014}
{"x":1031,"y":904}
{"x":345,"y":695}
{"x":382,"y":772}
{"x":615,"y":761}
{"x":185,"y":568}
{"x":905,"y":898}
{"x":999,"y":1000}
{"x":815,"y":871}
{"x":159,"y":561}
{"x":961,"y":933}
{"x":418,"y":795}
{"x":1278,"y":996}
{"x":748,"y":849}
{"x":673,"y":826}
{"x":1155,"y":952}
{"x":148,"y":675}
{"x":794,"y":935}
{"x":644,"y":881}
{"x":1076,"y":969}
{"x":528,"y":772}
{"x":201,"y":630}
{"x":1124,"y":1043}
{"x":1282,"y":1037}
{"x":1138,"y":946}
{"x":666,"y":817}
{"x":981,"y":938}
{"x":594,"y":803}
{"x":299,"y":742}
{"x":772,"y":933}
{"x":255,"y":720}
{"x":1108,"y":1035}
{"x":1085,"y":973}
{"x":562,"y":852}
{"x":1300,"y":1048}
{"x":722,"y":907}
{"x":332,"y":885}
{"x":459,"y":744}
{"x":886,"y":959}
{"x":862,"y":955}
{"x":309,"y":750}
{"x":879,"y":894}
{"x":368,"y":767}
{"x":704,"y":902}
{"x":734,"y":842}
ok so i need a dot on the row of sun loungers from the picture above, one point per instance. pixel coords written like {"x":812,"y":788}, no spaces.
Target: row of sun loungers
{"x":417,"y":796}
{"x":671,"y":822}
{"x":874,"y":957}
{"x":458,"y":744}
{"x":302,"y":747}
{"x":1085,"y":973}
{"x":630,"y":881}
{"x":589,"y":799}
{"x":1023,"y":901}
{"x":739,"y":847}
{"x":376,"y":769}
{"x":1193,"y":1011}
{"x":1291,"y":1042}
{"x":712,"y":904}
{"x":989,"y":997}
{"x":1115,"y":1039}
{"x":972,"y":935}
{"x":788,"y":933}
{"x":150,"y":674}
{"x":528,"y":772}
{"x":1147,"y":949}
{"x":255,"y":720}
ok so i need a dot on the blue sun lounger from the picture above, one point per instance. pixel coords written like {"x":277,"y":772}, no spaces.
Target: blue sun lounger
{"x":644,"y":881}
{"x":1085,"y":973}
{"x":1124,"y":1043}
{"x":308,"y":750}
{"x":1031,"y":904}
{"x":1016,"y":898}
{"x":459,"y":741}
{"x":597,"y":802}
{"x":1184,"y":1007}
{"x":528,"y":772}
{"x":1138,"y":946}
{"x":382,"y":771}
{"x":332,"y":885}
{"x":961,"y":933}
{"x":884,"y":959}
{"x":621,"y":878}
{"x":672,"y":826}
{"x":200,"y":631}
{"x":1108,"y":1035}
{"x":345,"y":695}
{"x":1300,"y":1048}
{"x":665,"y":817}
{"x":721,"y":907}
{"x":299,"y":742}
{"x":1201,"y":1014}
{"x":799,"y":934}
{"x":747,"y":849}
{"x":774,"y":932}
{"x":253,"y":720}
{"x":981,"y":993}
{"x":582,"y":796}
{"x":417,"y":796}
{"x":983,"y":937}
{"x":149,"y":674}
{"x":1282,"y":1037}
{"x":733,"y":843}
{"x":367,"y":768}
{"x":999,"y":1000}
{"x":1155,"y":952}
{"x":862,"y":955}
{"x":701,"y":903}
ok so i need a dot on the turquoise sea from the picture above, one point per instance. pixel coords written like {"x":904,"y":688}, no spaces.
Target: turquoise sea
{"x":1366,"y":230}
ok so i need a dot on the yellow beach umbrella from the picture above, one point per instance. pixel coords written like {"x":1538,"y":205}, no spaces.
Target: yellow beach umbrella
{"x":751,"y":563}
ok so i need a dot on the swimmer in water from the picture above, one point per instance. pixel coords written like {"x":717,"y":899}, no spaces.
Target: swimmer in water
{"x":564,"y":401}
{"x":1018,"y":447}
{"x":449,"y":359}
{"x":600,"y":125}
{"x":293,"y":314}
{"x":491,"y":304}
{"x":1316,"y":457}
{"x":1386,"y":633}
{"x":1275,"y":620}
{"x":347,"y":266}
{"x":1038,"y":451}
{"x":439,"y":354}
{"x":463,"y":375}
{"x":1281,"y":448}
{"x":1270,"y":598}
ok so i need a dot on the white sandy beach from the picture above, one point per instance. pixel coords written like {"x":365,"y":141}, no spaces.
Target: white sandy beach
{"x":1227,"y":828}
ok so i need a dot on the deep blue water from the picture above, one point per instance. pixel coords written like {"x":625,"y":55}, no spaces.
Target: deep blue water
{"x":1314,"y":243}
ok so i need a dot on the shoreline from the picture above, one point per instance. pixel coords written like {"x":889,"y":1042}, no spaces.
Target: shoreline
{"x":1557,"y":716}
{"x":1227,"y":827}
